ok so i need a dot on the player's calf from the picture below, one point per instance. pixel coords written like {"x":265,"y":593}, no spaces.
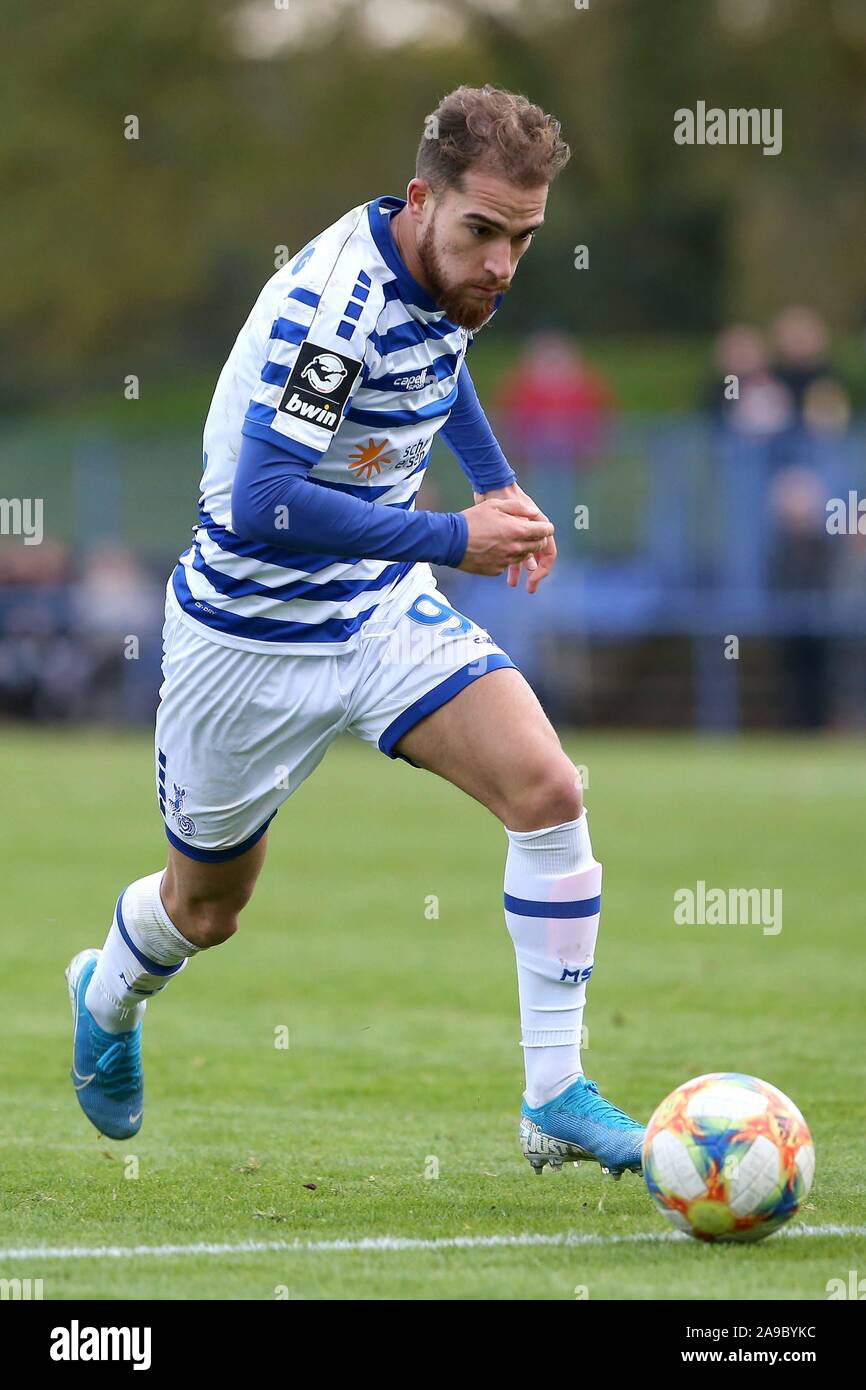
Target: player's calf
{"x":143,"y":951}
{"x":205,"y":898}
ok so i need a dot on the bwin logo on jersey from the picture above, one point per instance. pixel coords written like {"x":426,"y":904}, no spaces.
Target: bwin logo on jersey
{"x":319,"y":385}
{"x":320,"y":414}
{"x":185,"y":824}
{"x":325,"y":373}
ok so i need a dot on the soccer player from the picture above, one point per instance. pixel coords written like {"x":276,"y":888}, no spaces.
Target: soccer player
{"x":306,"y":606}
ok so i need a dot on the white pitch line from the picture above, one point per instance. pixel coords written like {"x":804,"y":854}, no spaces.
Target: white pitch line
{"x":376,"y":1243}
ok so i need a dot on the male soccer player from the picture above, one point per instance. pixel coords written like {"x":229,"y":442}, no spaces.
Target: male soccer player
{"x":306,"y":606}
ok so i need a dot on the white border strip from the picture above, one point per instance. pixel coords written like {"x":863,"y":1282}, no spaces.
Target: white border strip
{"x":386,"y":1244}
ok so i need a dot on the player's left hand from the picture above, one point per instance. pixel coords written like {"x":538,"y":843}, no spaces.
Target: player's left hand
{"x":537,"y":566}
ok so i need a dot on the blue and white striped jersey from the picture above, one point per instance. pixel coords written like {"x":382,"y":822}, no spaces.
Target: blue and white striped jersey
{"x":349,"y":364}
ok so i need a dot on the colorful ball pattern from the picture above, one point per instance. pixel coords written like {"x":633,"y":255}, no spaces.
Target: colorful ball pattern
{"x":728,"y":1157}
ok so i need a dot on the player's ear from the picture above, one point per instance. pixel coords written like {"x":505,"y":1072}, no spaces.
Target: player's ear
{"x":419,"y":197}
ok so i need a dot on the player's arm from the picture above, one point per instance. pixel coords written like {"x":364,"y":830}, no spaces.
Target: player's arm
{"x":318,"y":352}
{"x":312,"y":370}
{"x":472,"y":441}
{"x":468,"y":435}
{"x":274,"y":502}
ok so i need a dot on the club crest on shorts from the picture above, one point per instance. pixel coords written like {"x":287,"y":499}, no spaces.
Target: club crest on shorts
{"x":185,"y":824}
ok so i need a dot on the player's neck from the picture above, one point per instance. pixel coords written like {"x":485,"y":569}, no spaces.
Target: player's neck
{"x":405,"y":243}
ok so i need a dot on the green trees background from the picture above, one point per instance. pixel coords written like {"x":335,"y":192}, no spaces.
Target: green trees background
{"x":260,"y":124}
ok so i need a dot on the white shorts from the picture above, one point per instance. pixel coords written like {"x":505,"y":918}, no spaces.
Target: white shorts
{"x":238,"y":731}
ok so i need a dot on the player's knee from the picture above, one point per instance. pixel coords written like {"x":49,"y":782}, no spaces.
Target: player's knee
{"x":550,"y":797}
{"x":208,"y":924}
{"x":209,"y":921}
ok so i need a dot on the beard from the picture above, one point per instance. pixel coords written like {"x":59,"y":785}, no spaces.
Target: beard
{"x":465,"y":309}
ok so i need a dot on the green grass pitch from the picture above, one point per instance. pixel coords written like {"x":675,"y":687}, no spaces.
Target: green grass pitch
{"x":376,"y":939}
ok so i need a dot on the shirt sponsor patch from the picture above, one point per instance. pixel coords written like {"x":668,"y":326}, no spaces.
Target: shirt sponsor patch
{"x":319,"y":385}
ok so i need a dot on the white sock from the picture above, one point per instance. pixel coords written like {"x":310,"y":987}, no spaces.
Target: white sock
{"x":142,"y":952}
{"x":554,"y":953}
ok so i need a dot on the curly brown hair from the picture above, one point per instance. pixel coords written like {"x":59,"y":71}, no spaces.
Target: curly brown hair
{"x":494,"y":131}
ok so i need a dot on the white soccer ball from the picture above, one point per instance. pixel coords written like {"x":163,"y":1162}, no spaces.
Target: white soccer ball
{"x":728,"y":1157}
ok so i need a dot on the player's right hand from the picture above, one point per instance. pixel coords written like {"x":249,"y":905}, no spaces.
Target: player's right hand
{"x":503,"y":531}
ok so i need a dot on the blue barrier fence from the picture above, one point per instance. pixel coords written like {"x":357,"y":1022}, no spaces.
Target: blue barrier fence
{"x":687,"y":532}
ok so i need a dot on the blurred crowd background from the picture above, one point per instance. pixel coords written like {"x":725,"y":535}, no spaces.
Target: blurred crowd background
{"x":699,"y":583}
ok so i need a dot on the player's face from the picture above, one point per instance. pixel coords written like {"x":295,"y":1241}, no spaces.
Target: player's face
{"x":471,"y":240}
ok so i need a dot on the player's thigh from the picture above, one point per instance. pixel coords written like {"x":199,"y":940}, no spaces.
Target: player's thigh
{"x":494,"y":741}
{"x":237,"y":732}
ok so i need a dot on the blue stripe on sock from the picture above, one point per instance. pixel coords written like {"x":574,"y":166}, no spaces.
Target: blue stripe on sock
{"x":152,"y":967}
{"x":529,"y":907}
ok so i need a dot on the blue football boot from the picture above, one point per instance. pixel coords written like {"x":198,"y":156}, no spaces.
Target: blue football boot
{"x":106,"y":1067}
{"x":580,"y":1124}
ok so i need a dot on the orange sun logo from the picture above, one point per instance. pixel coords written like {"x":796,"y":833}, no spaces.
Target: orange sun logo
{"x":367,"y":459}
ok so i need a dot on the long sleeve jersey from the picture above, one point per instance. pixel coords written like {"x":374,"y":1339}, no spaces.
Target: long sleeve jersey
{"x":316,"y":444}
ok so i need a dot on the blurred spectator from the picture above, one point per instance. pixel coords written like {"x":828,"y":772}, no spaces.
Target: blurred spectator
{"x":554,"y":410}
{"x":115,"y":597}
{"x":43,"y":671}
{"x":801,"y":563}
{"x":820,"y":400}
{"x":77,"y":648}
{"x":849,"y":647}
{"x":762,"y":405}
{"x":117,"y":610}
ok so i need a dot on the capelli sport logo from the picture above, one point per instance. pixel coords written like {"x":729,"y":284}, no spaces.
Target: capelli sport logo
{"x":319,"y":385}
{"x":415,"y":382}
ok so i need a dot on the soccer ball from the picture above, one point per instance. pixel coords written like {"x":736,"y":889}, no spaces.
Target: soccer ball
{"x":728,"y":1157}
